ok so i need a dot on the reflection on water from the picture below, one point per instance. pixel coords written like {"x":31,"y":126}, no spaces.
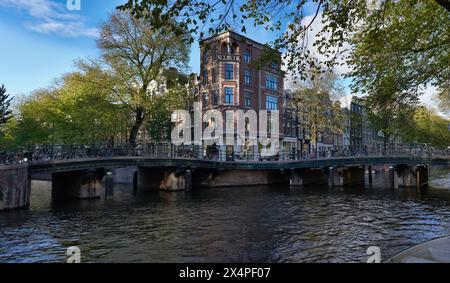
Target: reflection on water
{"x":262,"y":224}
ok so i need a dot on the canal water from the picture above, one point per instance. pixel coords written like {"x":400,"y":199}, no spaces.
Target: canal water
{"x":253,"y":224}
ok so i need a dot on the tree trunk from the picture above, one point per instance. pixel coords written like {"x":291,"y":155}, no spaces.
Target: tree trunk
{"x":137,"y":125}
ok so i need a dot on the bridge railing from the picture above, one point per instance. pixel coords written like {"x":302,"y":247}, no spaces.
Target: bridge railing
{"x":168,"y":150}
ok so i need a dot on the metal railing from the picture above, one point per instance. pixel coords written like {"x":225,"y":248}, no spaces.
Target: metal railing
{"x":168,"y":150}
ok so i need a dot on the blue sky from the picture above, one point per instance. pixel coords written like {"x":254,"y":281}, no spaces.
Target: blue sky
{"x":42,"y":38}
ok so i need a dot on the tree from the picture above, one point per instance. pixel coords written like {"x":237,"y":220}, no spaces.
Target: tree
{"x":177,"y":96}
{"x":286,"y":18}
{"x":74,"y":111}
{"x":5,"y":104}
{"x":135,"y":54}
{"x":430,"y":128}
{"x":390,"y":110}
{"x":444,"y":101}
{"x":404,"y":43}
{"x":318,"y":113}
{"x":91,"y":115}
{"x":408,"y":43}
{"x":35,"y":122}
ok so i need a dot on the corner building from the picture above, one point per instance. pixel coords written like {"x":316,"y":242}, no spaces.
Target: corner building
{"x":232,"y":78}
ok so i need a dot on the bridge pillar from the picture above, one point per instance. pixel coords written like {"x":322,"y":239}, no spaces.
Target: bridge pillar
{"x":167,"y":179}
{"x":412,"y":176}
{"x":14,"y":187}
{"x":331,"y":177}
{"x":175,"y":181}
{"x":314,"y":176}
{"x":109,"y":186}
{"x":82,"y":184}
{"x":149,"y":179}
{"x":422,"y":176}
{"x":135,"y":181}
{"x":188,"y":180}
{"x":355,"y":175}
{"x":346,"y":176}
{"x":391,"y":178}
{"x":294,"y":178}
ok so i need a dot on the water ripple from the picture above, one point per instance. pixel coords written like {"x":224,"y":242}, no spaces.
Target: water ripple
{"x":258,"y":224}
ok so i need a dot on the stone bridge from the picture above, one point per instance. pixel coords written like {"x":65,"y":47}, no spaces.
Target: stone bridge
{"x":82,"y":178}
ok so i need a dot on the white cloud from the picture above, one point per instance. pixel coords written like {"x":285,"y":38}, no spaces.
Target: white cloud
{"x":429,"y":99}
{"x":50,"y":17}
{"x":311,"y":37}
{"x":67,"y":29}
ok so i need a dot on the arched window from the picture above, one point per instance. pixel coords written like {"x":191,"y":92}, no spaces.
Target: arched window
{"x":230,"y":49}
{"x":235,"y":48}
{"x":223,"y":48}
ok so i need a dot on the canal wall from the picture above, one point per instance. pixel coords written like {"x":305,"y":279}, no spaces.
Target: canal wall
{"x":14,"y":187}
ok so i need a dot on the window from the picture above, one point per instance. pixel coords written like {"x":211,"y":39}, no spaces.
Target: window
{"x":229,"y":95}
{"x":247,"y":57}
{"x":214,"y":53}
{"x":229,"y":72}
{"x":271,"y":103}
{"x":248,"y":99}
{"x":271,"y":82}
{"x":215,"y":97}
{"x":205,"y":77}
{"x":247,"y":77}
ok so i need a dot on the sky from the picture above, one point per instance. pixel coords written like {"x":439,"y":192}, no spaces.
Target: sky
{"x":41,"y":39}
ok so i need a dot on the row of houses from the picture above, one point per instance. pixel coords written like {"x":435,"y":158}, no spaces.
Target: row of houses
{"x":231,"y":80}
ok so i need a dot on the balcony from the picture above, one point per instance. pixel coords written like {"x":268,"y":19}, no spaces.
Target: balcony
{"x":229,"y":57}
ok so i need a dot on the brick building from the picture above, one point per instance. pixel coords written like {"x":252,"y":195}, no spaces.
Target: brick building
{"x":233,"y":78}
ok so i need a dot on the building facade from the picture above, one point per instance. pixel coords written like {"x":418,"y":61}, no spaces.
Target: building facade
{"x":356,"y":125}
{"x":232,"y":78}
{"x":290,"y":143}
